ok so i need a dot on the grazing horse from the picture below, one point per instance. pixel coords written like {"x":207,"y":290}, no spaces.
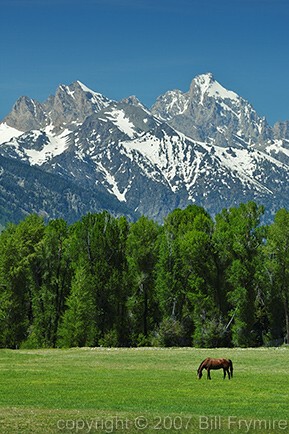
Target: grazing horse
{"x":208,"y":364}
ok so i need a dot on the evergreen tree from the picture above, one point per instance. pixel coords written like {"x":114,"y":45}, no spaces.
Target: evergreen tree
{"x":78,"y":326}
{"x":18,"y":244}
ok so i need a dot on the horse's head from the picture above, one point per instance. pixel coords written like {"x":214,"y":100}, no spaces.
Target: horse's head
{"x":199,"y":373}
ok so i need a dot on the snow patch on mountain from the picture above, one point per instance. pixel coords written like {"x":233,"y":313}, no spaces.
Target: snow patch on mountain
{"x":278,"y":147}
{"x":112,"y":184}
{"x":245,"y":163}
{"x":7,"y":132}
{"x":118,"y":117}
{"x":173,"y":155}
{"x":86,"y":89}
{"x":56,"y":146}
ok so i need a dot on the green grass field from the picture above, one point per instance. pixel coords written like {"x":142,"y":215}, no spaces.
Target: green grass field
{"x":142,"y":390}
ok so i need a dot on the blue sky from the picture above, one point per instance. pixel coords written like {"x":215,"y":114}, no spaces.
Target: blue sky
{"x":146,"y":47}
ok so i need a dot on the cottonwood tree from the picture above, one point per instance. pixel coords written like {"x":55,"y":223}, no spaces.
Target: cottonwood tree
{"x":97,"y":301}
{"x":50,"y":283}
{"x":142,"y":251}
{"x":185,"y":273}
{"x":277,"y":270}
{"x":238,"y":238}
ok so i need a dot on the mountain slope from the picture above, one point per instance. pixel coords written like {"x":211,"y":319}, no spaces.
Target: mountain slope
{"x":25,"y":189}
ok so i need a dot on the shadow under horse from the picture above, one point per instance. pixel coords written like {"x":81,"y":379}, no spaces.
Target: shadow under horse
{"x":209,"y":364}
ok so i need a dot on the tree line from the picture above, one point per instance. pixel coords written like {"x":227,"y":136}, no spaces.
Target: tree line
{"x":105,"y":281}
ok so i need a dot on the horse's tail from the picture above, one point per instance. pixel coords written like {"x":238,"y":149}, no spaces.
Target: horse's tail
{"x":231,"y":367}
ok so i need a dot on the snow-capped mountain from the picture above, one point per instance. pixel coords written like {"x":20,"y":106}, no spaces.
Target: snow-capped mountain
{"x":213,"y":114}
{"x":206,"y":146}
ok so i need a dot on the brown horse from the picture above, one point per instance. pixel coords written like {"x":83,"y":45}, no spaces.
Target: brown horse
{"x":208,"y":364}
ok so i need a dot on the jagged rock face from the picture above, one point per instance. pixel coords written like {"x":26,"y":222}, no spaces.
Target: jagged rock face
{"x":72,"y":104}
{"x":27,"y":114}
{"x":281,"y":130}
{"x":170,"y":105}
{"x":68,"y":108}
{"x":208,"y":112}
{"x":206,"y":146}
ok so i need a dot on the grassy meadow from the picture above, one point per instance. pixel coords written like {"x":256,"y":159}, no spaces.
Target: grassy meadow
{"x":146,"y":390}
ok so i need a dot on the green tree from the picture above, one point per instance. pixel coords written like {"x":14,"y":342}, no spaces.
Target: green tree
{"x":238,"y":238}
{"x":50,"y":283}
{"x":186,"y":273}
{"x":277,"y":271}
{"x":142,"y":252}
{"x":97,"y":249}
{"x":78,"y":326}
{"x":198,"y":261}
{"x":17,"y":250}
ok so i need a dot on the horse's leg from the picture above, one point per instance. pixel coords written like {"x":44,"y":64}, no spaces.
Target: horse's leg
{"x":209,"y":375}
{"x":224,"y":373}
{"x":228,"y":370}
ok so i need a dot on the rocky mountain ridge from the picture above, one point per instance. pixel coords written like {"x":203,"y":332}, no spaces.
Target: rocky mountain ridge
{"x":206,"y":146}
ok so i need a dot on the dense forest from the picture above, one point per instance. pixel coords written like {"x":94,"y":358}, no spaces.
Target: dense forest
{"x":105,"y":281}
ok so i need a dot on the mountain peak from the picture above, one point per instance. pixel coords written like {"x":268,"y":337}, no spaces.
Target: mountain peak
{"x":83,"y":87}
{"x":132,"y":100}
{"x":205,"y":79}
{"x":205,"y":84}
{"x":76,"y":85}
{"x":26,"y":114}
{"x":78,"y":88}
